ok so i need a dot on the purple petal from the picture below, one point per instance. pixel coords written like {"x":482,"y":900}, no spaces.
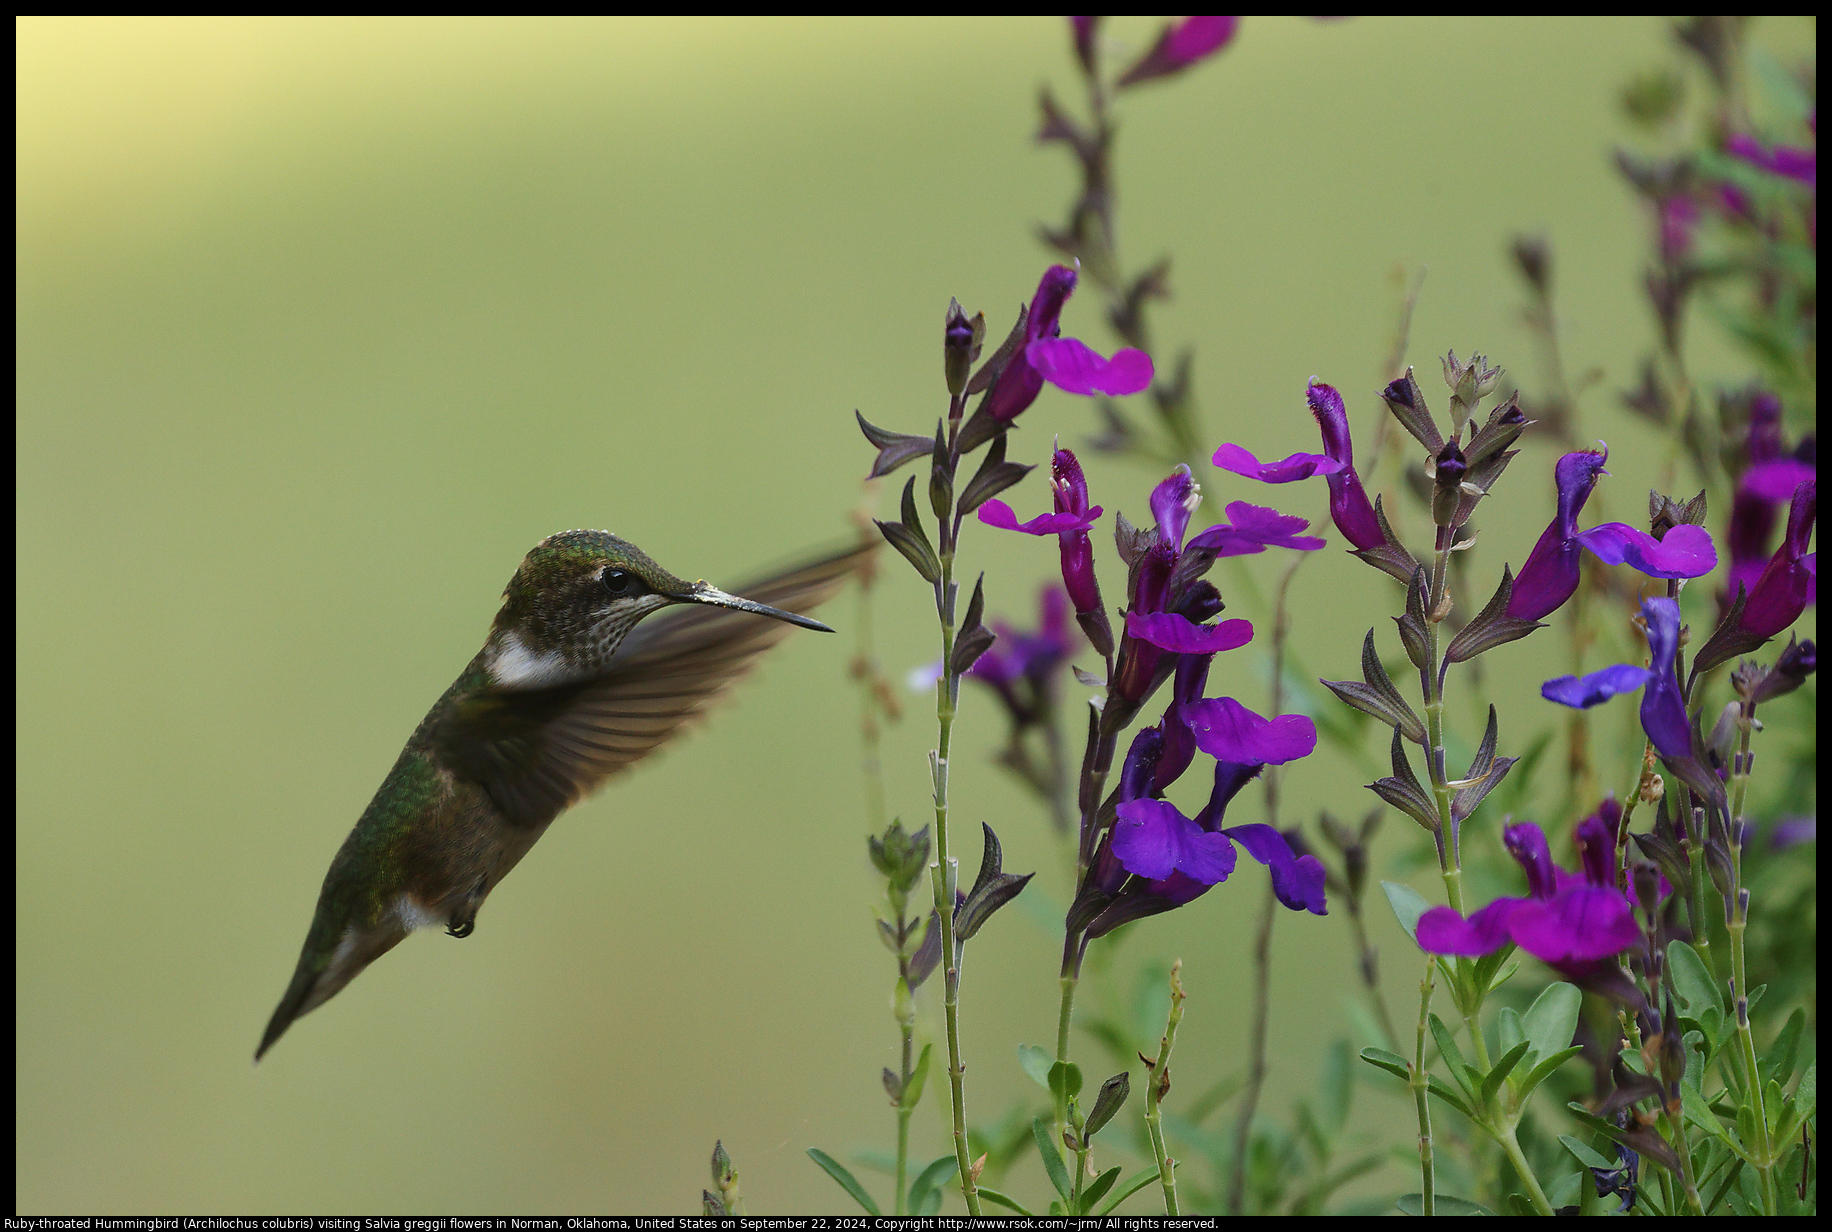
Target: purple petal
{"x":1254,"y":529}
{"x":1228,"y":731}
{"x":1686,"y":552}
{"x":1172,"y":502}
{"x":1575,"y":475}
{"x":1583,"y":692}
{"x":1443,"y":931}
{"x":1786,"y":586}
{"x":1581,"y":923}
{"x":1296,"y":880}
{"x":1169,"y":631}
{"x":1549,"y":577}
{"x":1287,"y":470}
{"x":1053,"y":291}
{"x":1152,"y":839}
{"x":1067,"y":483}
{"x":1017,"y":387}
{"x":998,"y":513}
{"x":1663,"y":710}
{"x":1078,"y":572}
{"x":1196,"y":37}
{"x":1775,"y":481}
{"x":1526,"y":842}
{"x":1072,"y":365}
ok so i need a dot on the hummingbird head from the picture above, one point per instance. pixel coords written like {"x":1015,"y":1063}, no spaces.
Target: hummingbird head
{"x":575,"y":597}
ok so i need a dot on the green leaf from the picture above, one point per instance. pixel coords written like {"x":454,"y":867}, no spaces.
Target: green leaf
{"x":1585,"y":1154}
{"x":1495,"y":1077}
{"x":1392,"y":1062}
{"x":1545,"y":1069}
{"x":1552,"y":1019}
{"x":1438,"y":1087}
{"x":912,"y":1090}
{"x":930,"y":1179}
{"x":998,"y":1199}
{"x":1564,"y":1191}
{"x":1408,"y":905}
{"x":1134,"y":1183}
{"x":1052,"y":1158}
{"x":1036,"y":1063}
{"x":837,"y":1170}
{"x":1335,"y":1089}
{"x":1508,"y":1031}
{"x":1691,"y":980}
{"x":1806,"y":1095}
{"x":1442,"y":1204}
{"x":1101,"y":1185}
{"x":1447,"y":1048}
{"x":1065,"y":1080}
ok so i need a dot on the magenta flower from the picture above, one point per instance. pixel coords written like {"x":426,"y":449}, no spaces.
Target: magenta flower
{"x":1762,"y":490}
{"x":1070,"y":523}
{"x":1349,"y":507}
{"x":1064,"y":362}
{"x":1789,"y":162}
{"x":1188,"y":42}
{"x":1571,"y":921}
{"x":1297,"y":466}
{"x":1550,"y":575}
{"x":1786,"y":586}
{"x":1033,"y":659}
{"x":1181,"y":635}
{"x":1255,"y":528}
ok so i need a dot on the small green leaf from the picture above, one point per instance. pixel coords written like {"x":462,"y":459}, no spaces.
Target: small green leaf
{"x":1392,"y":1062}
{"x":1691,"y":980}
{"x":931,"y":1178}
{"x":1442,"y":1204}
{"x":1552,"y":1019}
{"x":1447,"y":1048}
{"x":998,"y":1199}
{"x":835,"y":1169}
{"x":1036,"y":1063}
{"x":912,"y":1090}
{"x":1585,"y":1154}
{"x":1408,"y":905}
{"x":1508,"y":1031}
{"x":1495,"y":1077}
{"x":1544,"y":1070}
{"x":1564,"y":1191}
{"x":1443,"y":1090}
{"x":1101,"y":1185}
{"x":1778,"y":1061}
{"x":1065,"y":1080}
{"x":1134,"y":1183}
{"x":1052,"y":1157}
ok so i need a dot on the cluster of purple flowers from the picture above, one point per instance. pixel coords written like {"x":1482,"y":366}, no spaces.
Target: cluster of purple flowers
{"x":1151,"y":857}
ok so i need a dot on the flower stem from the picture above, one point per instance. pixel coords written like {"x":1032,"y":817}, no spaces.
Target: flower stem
{"x":1739,"y":922}
{"x":1419,"y":1083}
{"x":943,"y":873}
{"x":1158,"y":1081}
{"x":1537,"y":1196}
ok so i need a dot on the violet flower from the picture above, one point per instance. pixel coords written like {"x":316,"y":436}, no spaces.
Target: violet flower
{"x":1065,"y":362}
{"x":1799,"y":165}
{"x":1574,"y":922}
{"x":1786,"y":586}
{"x":1253,"y":529}
{"x":1663,"y":708}
{"x":1188,"y":42}
{"x":1763,"y":488}
{"x":1550,"y":575}
{"x":1022,"y":667}
{"x":1297,"y":466}
{"x":1070,"y":523}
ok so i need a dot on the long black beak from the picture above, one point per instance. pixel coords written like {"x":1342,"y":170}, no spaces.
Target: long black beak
{"x":713,"y":596}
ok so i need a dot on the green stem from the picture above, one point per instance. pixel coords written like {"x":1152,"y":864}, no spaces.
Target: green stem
{"x":1064,"y":1016}
{"x":1418,"y":1081}
{"x":1739,"y":923}
{"x":903,"y":1124}
{"x":1518,"y":1158}
{"x":1676,"y":1128}
{"x":1157,"y":1082}
{"x":943,"y":875}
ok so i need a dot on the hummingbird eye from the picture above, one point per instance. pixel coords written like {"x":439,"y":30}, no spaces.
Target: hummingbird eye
{"x":620,"y":582}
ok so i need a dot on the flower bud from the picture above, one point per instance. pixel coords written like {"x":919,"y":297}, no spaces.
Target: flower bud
{"x":960,"y":345}
{"x":1789,"y":673}
{"x":1447,"y":480}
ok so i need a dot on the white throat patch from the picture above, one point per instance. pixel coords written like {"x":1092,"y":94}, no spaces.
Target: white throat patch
{"x":514,"y":666}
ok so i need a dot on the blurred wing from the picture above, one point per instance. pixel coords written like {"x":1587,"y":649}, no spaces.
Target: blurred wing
{"x":538,"y":751}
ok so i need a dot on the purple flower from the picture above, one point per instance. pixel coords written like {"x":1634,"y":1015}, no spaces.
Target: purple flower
{"x":1349,"y":507}
{"x":1762,"y":490}
{"x":1550,"y":575}
{"x":1663,"y":708}
{"x":1187,"y":42}
{"x":1254,"y":529}
{"x":1070,"y":523}
{"x":1297,"y":466}
{"x":1572,"y":921}
{"x":1028,"y":660}
{"x":1062,"y":361}
{"x":1786,"y":585}
{"x":1170,"y":631}
{"x":1228,"y":731}
{"x":1792,"y":163}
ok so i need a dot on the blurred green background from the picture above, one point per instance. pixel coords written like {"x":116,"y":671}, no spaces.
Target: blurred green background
{"x":323,"y":323}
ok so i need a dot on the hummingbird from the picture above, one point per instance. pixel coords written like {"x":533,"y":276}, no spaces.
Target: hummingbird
{"x":567,"y":691}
